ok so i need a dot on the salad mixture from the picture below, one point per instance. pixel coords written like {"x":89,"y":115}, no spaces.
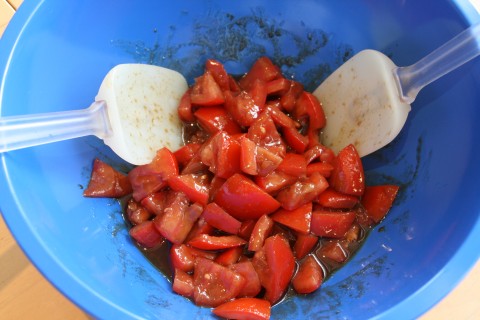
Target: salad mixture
{"x":253,"y":206}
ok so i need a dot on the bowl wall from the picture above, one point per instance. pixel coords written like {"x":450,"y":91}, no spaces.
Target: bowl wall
{"x":55,"y":54}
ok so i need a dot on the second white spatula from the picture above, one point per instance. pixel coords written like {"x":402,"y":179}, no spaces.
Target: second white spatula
{"x":367,"y":100}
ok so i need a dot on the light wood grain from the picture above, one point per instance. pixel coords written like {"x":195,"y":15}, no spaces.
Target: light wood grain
{"x":26,"y":294}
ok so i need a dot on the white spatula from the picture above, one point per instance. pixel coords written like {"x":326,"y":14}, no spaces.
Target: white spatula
{"x":135,"y":113}
{"x":367,"y":100}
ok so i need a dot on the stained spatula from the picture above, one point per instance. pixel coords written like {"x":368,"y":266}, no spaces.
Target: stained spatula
{"x":367,"y":100}
{"x":135,"y":113}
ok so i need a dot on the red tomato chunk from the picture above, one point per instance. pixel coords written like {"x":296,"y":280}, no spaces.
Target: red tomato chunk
{"x":253,"y":204}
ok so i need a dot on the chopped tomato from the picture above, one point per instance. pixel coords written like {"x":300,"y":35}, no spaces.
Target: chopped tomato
{"x":248,"y":156}
{"x":252,"y":285}
{"x":152,"y":177}
{"x":183,"y":283}
{"x":333,"y":250}
{"x":309,"y":276}
{"x":298,"y":219}
{"x":263,"y":69}
{"x":304,"y":244}
{"x":244,"y":308}
{"x":206,"y":91}
{"x":274,"y":181}
{"x":377,"y":200}
{"x":208,"y":242}
{"x":195,"y":186}
{"x":107,"y":182}
{"x":178,"y":218}
{"x":185,"y":112}
{"x":215,"y":284}
{"x":246,"y":229}
{"x":215,"y":118}
{"x":222,"y":155}
{"x":220,"y":219}
{"x":280,"y":118}
{"x":321,"y":153}
{"x":229,"y":256}
{"x":155,"y":202}
{"x":146,"y":234}
{"x":200,"y":227}
{"x":136,"y":213}
{"x":258,"y":92}
{"x":303,"y":191}
{"x":347,"y":175}
{"x":186,"y":153}
{"x":331,"y":224}
{"x":281,"y":265}
{"x":288,"y":100}
{"x":324,"y":168}
{"x":293,"y":164}
{"x":260,"y":232}
{"x":278,"y":86}
{"x":243,"y":199}
{"x":313,"y":108}
{"x":264,"y":133}
{"x":216,"y":69}
{"x":331,"y":198}
{"x":241,"y":106}
{"x":295,"y":139}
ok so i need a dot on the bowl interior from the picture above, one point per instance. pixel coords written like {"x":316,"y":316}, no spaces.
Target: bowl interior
{"x":55,"y":54}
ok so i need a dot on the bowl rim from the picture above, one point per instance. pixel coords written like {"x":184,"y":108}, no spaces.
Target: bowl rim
{"x":41,"y":256}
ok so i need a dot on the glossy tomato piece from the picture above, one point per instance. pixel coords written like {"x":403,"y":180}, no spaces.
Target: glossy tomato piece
{"x":244,"y":308}
{"x":331,"y":198}
{"x":263,"y":69}
{"x":281,"y":119}
{"x":258,"y":92}
{"x":146,"y":234}
{"x":215,"y":284}
{"x":274,"y":181}
{"x":331,"y":224}
{"x":289,"y":98}
{"x":295,"y":139}
{"x":217,"y":70}
{"x":208,"y":242}
{"x":206,"y":91}
{"x":281,"y":266}
{"x":313,"y":108}
{"x":183,"y":283}
{"x":304,"y":244}
{"x":303,"y":191}
{"x":242,"y":108}
{"x":260,"y":232}
{"x":220,"y":219}
{"x":152,"y":177}
{"x":186,"y":153}
{"x":107,"y":182}
{"x":252,"y":283}
{"x":309,"y":276}
{"x":278,"y":86}
{"x":183,"y":257}
{"x":243,"y":199}
{"x":333,"y":250}
{"x":185,"y":112}
{"x":265,"y":134}
{"x":136,"y":213}
{"x":293,"y":164}
{"x":248,"y":156}
{"x":155,"y":202}
{"x":215,"y":118}
{"x":229,"y":256}
{"x":377,"y":200}
{"x":195,"y":186}
{"x":320,"y":153}
{"x":324,"y":168}
{"x":298,"y":219}
{"x":347,"y":175}
{"x":178,"y":218}
{"x":246,"y":229}
{"x":222,"y":155}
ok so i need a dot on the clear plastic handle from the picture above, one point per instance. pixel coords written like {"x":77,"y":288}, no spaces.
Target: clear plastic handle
{"x":448,"y":57}
{"x":19,"y":132}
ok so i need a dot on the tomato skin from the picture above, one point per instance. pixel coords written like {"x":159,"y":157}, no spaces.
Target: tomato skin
{"x":313,"y":108}
{"x":107,"y":182}
{"x":347,"y":175}
{"x":220,"y":219}
{"x":331,"y":224}
{"x":324,"y":168}
{"x":246,"y":229}
{"x":216,"y":69}
{"x":146,"y":234}
{"x":206,"y":91}
{"x":222,"y":155}
{"x":215,"y":118}
{"x":377,"y":200}
{"x":243,"y":199}
{"x":260,"y":232}
{"x":298,"y":219}
{"x":274,"y":181}
{"x":248,"y":156}
{"x":304,"y":244}
{"x":244,"y":308}
{"x":186,"y":153}
{"x":281,"y":264}
{"x":304,"y":190}
{"x":321,"y":153}
{"x":289,"y":99}
{"x":152,"y":177}
{"x":258,"y":92}
{"x":185,"y":112}
{"x":331,"y":198}
{"x":229,"y":256}
{"x":215,"y":284}
{"x":278,"y":86}
{"x":309,"y":276}
{"x":208,"y":242}
{"x":193,"y":185}
{"x":333,"y":250}
{"x":295,"y":139}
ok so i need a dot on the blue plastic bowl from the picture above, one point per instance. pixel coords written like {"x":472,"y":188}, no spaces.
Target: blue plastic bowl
{"x":54,"y":55}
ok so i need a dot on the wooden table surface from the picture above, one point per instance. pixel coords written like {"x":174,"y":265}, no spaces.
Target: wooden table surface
{"x":25,"y":294}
